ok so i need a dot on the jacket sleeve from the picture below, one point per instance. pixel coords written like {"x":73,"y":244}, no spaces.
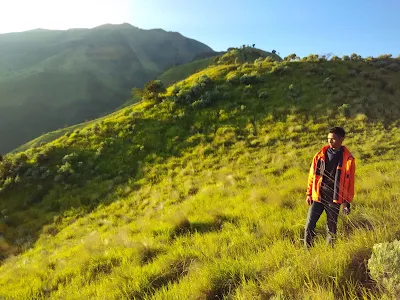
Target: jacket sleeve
{"x":311,"y":176}
{"x":351,"y":181}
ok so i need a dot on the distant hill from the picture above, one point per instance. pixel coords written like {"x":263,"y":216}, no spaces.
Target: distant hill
{"x":52,"y":78}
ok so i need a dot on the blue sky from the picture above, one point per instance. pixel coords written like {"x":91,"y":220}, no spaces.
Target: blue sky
{"x":368,"y":28}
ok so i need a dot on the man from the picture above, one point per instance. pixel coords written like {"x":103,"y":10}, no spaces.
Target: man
{"x":330,"y":184}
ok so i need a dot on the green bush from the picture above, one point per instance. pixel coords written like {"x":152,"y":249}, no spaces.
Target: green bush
{"x":249,"y":79}
{"x":385,"y":56}
{"x":269,"y":59}
{"x":233,"y":78}
{"x":394,"y":67}
{"x":355,"y":57}
{"x":263,"y":95}
{"x":154,"y":90}
{"x":279,"y":69}
{"x":207,"y":99}
{"x":70,"y":158}
{"x":344,"y":110}
{"x":384,"y":266}
{"x":190,"y":95}
{"x":335,"y":58}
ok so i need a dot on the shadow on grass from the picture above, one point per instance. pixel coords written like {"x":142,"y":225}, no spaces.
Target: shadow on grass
{"x":176,"y":270}
{"x":183,"y":226}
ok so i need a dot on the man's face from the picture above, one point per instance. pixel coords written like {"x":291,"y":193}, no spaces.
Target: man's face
{"x":334,"y":140}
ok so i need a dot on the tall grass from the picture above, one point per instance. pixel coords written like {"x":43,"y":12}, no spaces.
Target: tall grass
{"x":215,"y":210}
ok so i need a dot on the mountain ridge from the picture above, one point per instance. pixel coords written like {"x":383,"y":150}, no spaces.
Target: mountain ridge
{"x":92,"y":67}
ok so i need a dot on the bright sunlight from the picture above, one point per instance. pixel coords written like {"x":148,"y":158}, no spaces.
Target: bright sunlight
{"x":21,"y":15}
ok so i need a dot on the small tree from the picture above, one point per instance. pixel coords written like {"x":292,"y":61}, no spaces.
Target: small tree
{"x":154,"y":90}
{"x":355,"y":57}
{"x":290,"y":57}
{"x":274,"y":51}
{"x":335,"y":58}
{"x":137,"y":94}
{"x":385,"y":56}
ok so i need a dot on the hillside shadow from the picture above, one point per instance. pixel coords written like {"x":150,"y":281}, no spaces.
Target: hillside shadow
{"x":91,"y":180}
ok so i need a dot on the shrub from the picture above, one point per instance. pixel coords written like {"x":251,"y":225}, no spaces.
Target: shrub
{"x":154,"y":90}
{"x":381,"y":63}
{"x":346,"y":57}
{"x":328,"y":82}
{"x":207,"y":99}
{"x":175,"y":90}
{"x":263,"y":95}
{"x":5,"y":169}
{"x":258,"y":61}
{"x":355,"y":57}
{"x":293,"y":92}
{"x":352,"y":72}
{"x":394,"y":67}
{"x":183,"y":96}
{"x":344,"y":110}
{"x":384,"y":266}
{"x":290,"y":57}
{"x":369,"y":59}
{"x":280,"y":69}
{"x":70,"y":158}
{"x":249,"y":79}
{"x":335,"y":58}
{"x":385,"y":56}
{"x":233,"y":78}
{"x":312,"y":58}
{"x":269,"y":59}
{"x":65,"y":171}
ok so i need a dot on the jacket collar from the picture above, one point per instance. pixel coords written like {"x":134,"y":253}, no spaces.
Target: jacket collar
{"x":346,"y":152}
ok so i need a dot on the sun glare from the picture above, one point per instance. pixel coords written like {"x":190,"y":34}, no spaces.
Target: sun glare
{"x":21,"y":15}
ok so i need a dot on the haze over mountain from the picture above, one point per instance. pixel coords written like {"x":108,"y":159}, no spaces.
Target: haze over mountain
{"x":53,"y":78}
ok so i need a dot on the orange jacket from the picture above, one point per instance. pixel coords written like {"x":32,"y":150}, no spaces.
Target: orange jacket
{"x":344,"y":188}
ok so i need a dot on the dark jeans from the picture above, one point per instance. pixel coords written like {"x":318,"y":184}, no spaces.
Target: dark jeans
{"x":315,"y":211}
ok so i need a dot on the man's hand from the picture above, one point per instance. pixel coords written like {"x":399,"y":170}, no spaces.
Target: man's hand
{"x":309,"y":200}
{"x":346,"y":209}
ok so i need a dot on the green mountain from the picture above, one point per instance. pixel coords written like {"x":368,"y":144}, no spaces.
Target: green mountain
{"x":52,"y":78}
{"x":198,"y":192}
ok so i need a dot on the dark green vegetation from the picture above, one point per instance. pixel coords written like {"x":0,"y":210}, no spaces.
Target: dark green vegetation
{"x":50,"y":78}
{"x":199,"y":193}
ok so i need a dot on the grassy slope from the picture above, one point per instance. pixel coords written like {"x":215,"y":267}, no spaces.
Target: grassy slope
{"x":178,"y":73}
{"x":52,"y":78}
{"x":173,"y":74}
{"x":173,"y":200}
{"x":246,"y":54}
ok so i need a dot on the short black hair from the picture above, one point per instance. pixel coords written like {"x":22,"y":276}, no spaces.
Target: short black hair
{"x":339,"y":131}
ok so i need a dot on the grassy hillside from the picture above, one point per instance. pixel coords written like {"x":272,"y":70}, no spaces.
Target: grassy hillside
{"x":52,"y":78}
{"x":179,"y":73}
{"x":234,"y":55}
{"x":201,"y":196}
